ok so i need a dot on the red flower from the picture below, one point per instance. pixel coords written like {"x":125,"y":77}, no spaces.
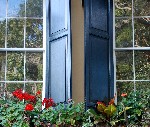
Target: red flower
{"x":38,"y":92}
{"x":29,"y":107}
{"x":48,"y":102}
{"x":124,"y":94}
{"x":19,"y":94}
{"x":101,"y":103}
{"x":26,"y":96}
{"x":112,"y":100}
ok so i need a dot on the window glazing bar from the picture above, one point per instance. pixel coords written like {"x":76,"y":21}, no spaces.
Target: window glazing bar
{"x":23,"y":49}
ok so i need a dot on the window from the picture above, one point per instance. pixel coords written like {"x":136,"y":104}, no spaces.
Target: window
{"x":132,"y":44}
{"x":21,"y":45}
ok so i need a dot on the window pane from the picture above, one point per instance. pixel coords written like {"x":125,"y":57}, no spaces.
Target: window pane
{"x":124,"y":87}
{"x":34,"y":8}
{"x":2,"y":32}
{"x":34,"y":33}
{"x":142,"y":65}
{"x":2,"y":89}
{"x":34,"y":66}
{"x":16,"y":8}
{"x":2,"y":8}
{"x":124,"y":65}
{"x":142,"y":85}
{"x":10,"y":87}
{"x":2,"y":65}
{"x":142,"y":32}
{"x":32,"y":88}
{"x":141,"y":7}
{"x":123,"y":33}
{"x":15,"y":66}
{"x":123,"y":8}
{"x":15,"y":37}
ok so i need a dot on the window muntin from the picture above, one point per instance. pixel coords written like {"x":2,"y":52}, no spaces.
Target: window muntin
{"x":21,"y":46}
{"x":132,"y":45}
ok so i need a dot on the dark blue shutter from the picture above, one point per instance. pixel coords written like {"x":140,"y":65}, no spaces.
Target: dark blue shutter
{"x":58,"y":50}
{"x":99,"y":83}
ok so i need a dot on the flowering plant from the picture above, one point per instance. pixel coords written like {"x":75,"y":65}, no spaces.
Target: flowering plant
{"x":25,"y":110}
{"x":132,"y":110}
{"x":138,"y":112}
{"x":22,"y":109}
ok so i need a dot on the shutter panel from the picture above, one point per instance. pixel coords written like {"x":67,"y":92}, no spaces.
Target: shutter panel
{"x":59,"y":51}
{"x":99,"y":84}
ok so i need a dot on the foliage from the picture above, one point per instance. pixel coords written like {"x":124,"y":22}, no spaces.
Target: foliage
{"x":140,"y":108}
{"x":24,"y":110}
{"x":132,"y":110}
{"x":20,"y":109}
{"x":65,"y":114}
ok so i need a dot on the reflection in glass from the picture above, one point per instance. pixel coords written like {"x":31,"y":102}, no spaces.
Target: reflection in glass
{"x":15,"y":66}
{"x":34,"y":33}
{"x":123,"y":28}
{"x":142,"y":85}
{"x":142,"y":65}
{"x":10,"y":87}
{"x":141,"y":7}
{"x":34,"y":66}
{"x":142,"y":32}
{"x":124,"y":87}
{"x":2,"y":32}
{"x":16,"y":8}
{"x":2,"y":89}
{"x":15,"y":36}
{"x":32,"y":88}
{"x":2,"y":8}
{"x":124,"y":65}
{"x":34,"y":8}
{"x":2,"y":65}
{"x":123,"y":8}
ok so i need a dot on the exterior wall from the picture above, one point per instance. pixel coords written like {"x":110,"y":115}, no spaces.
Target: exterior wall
{"x":77,"y":25}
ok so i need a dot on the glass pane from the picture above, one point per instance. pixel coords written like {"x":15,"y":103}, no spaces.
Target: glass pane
{"x":141,"y":7}
{"x":142,"y":65}
{"x":34,"y":66}
{"x":15,"y":66}
{"x":34,"y":8}
{"x":10,"y":87}
{"x":2,"y":65}
{"x":124,"y":65}
{"x":123,"y":28}
{"x":2,"y":89}
{"x":2,"y":8}
{"x":142,"y":32}
{"x":15,"y":36}
{"x":16,"y":8}
{"x":124,"y":87}
{"x":34,"y":33}
{"x":142,"y":85}
{"x":33,"y":88}
{"x":2,"y":32}
{"x":123,"y":8}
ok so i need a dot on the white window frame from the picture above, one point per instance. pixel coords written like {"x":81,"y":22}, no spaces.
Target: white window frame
{"x":127,"y":49}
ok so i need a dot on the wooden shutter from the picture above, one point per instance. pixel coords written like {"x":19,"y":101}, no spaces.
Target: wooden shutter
{"x":98,"y":51}
{"x":58,"y":50}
